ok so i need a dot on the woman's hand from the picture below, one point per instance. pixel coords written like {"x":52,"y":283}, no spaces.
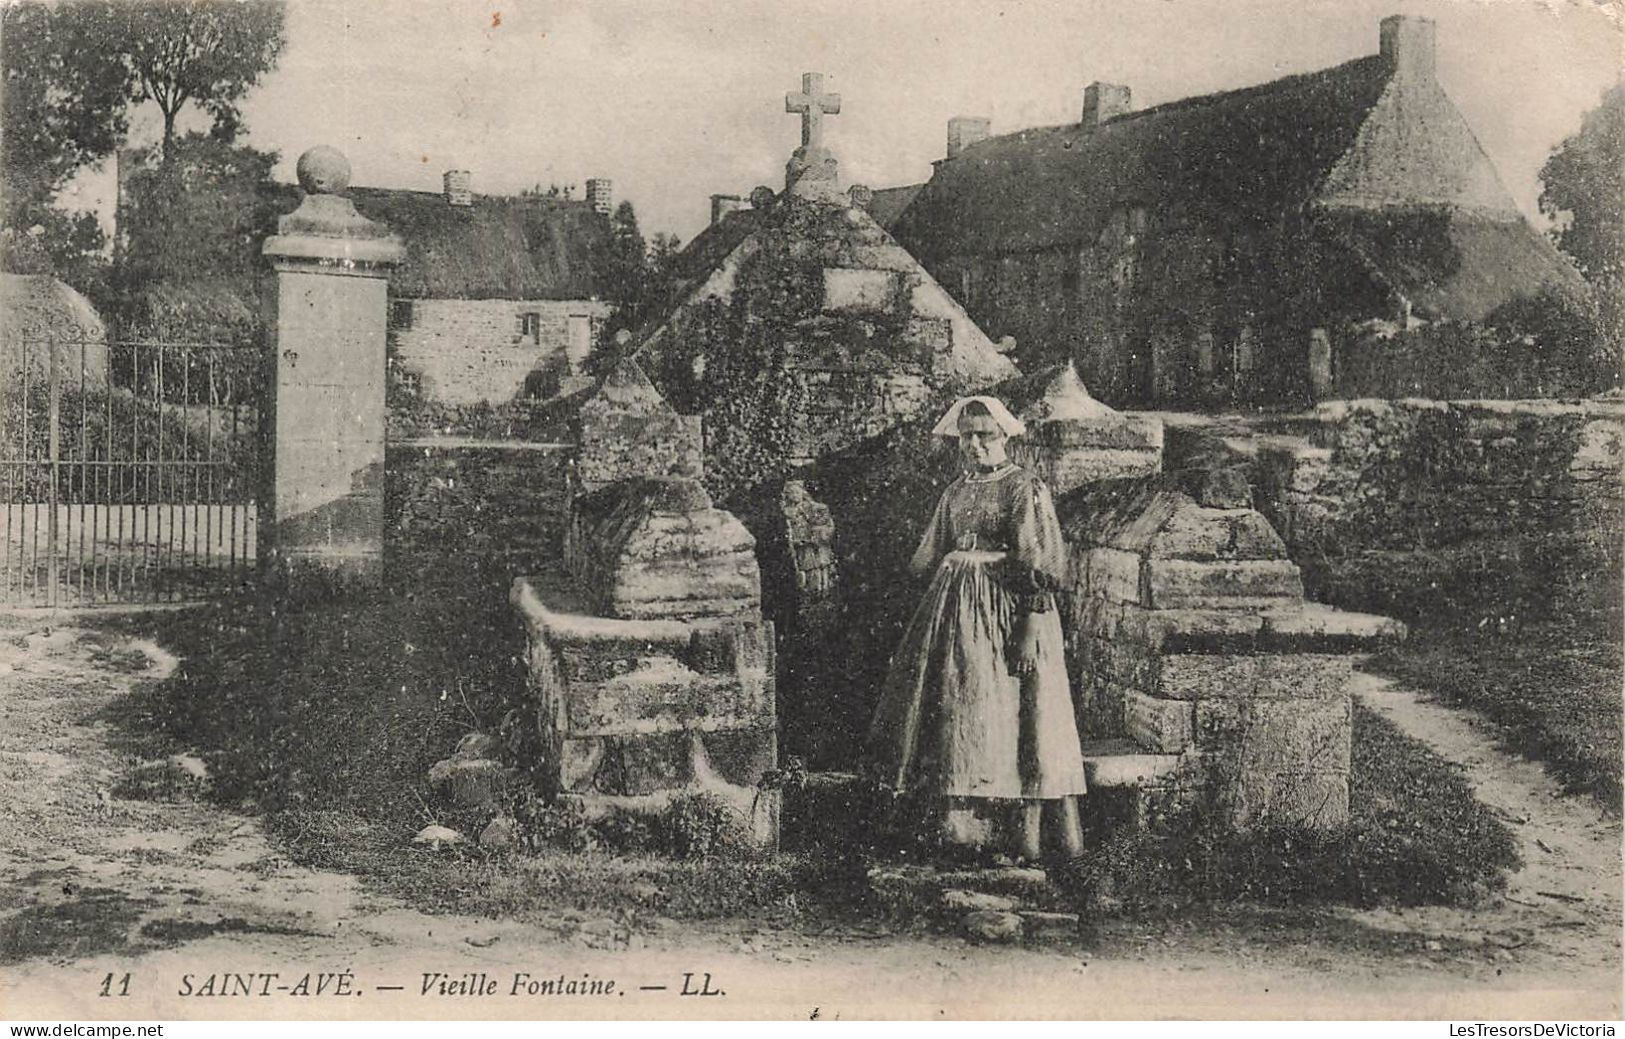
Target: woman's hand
{"x":966,"y":542}
{"x":1024,"y":647}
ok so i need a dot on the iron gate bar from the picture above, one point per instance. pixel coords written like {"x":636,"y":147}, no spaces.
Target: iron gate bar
{"x":53,"y":416}
{"x":132,"y":512}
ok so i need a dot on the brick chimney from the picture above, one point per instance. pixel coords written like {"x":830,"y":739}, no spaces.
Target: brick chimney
{"x":966,"y":130}
{"x":1408,"y":44}
{"x":722,"y":205}
{"x":1103,"y":101}
{"x":601,"y":194}
{"x":459,"y":187}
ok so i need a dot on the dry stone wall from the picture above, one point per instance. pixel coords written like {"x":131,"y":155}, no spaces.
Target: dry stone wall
{"x":1417,"y":507}
{"x":494,"y":506}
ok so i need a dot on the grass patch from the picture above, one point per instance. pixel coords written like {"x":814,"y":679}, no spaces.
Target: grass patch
{"x":343,"y":704}
{"x":1552,"y":687}
{"x":1416,"y":836}
{"x":94,"y":921}
{"x":538,"y":886}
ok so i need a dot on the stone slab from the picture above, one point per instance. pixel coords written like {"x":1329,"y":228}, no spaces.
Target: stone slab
{"x":1123,"y":763}
{"x":1200,"y":676}
{"x":638,"y":765}
{"x":1113,"y":574}
{"x":860,"y":290}
{"x":1178,"y":583}
{"x":1295,"y":736}
{"x":1195,"y":532}
{"x":1314,"y":628}
{"x":550,"y":606}
{"x":1158,"y":725}
{"x":664,"y":695}
{"x":1191,"y":630}
{"x":1243,"y":676}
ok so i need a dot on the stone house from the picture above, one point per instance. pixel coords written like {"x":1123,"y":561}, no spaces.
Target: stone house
{"x":1226,"y":247}
{"x":497,"y":296}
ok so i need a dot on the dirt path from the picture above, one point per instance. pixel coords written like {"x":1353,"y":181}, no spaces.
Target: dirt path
{"x":94,"y":885}
{"x":1564,"y":906}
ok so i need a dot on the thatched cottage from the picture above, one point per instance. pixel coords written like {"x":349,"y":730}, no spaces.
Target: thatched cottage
{"x":1227,"y":247}
{"x":497,"y":297}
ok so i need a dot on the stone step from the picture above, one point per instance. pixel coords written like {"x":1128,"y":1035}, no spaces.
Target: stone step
{"x":1016,"y":904}
{"x":1124,"y":763}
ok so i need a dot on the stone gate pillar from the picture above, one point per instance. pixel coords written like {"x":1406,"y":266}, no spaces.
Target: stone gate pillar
{"x":326,"y":308}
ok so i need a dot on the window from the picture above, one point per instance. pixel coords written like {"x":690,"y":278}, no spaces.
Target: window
{"x":530,"y":325}
{"x":400,"y":314}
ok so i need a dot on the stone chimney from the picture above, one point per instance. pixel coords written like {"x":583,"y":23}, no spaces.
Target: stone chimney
{"x":601,"y":194}
{"x":1408,"y":44}
{"x":459,"y":187}
{"x":1103,"y":101}
{"x":722,"y":205}
{"x":966,"y":130}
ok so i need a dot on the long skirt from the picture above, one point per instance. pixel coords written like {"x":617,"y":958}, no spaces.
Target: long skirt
{"x":952,"y":720}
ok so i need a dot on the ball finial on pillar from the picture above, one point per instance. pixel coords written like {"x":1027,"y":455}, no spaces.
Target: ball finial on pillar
{"x":323,"y":170}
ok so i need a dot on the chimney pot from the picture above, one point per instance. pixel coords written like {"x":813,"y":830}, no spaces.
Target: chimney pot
{"x":1408,"y":44}
{"x":1103,"y":101}
{"x":601,"y":194}
{"x":459,"y":187}
{"x":966,"y":130}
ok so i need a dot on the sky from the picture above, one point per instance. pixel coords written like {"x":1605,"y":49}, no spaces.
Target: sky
{"x":675,"y":100}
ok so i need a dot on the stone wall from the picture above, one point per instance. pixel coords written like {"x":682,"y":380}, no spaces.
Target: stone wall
{"x":490,"y":505}
{"x":1493,"y":508}
{"x":465,"y":351}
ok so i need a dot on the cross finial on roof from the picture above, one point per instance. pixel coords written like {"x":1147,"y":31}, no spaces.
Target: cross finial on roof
{"x":812,"y":104}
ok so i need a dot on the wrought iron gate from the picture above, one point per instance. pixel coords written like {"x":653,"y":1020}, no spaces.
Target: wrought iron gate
{"x":129,"y":471}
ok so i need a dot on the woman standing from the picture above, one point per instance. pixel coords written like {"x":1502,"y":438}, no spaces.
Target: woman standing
{"x":976,"y":714}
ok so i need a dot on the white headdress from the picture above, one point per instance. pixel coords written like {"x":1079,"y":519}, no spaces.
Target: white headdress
{"x":949,"y":426}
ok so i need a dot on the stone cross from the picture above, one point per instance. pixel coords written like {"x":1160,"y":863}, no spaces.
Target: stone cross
{"x":812,"y":104}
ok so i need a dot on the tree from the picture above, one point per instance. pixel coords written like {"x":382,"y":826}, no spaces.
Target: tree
{"x":201,"y":52}
{"x":201,"y":214}
{"x":64,"y":104}
{"x":622,"y":273}
{"x":1583,"y":190}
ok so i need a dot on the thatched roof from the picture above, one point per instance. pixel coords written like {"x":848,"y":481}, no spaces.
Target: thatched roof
{"x":501,"y":247}
{"x":38,"y":306}
{"x":497,"y":248}
{"x":1452,"y":263}
{"x":1231,"y":156}
{"x":888,"y":203}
